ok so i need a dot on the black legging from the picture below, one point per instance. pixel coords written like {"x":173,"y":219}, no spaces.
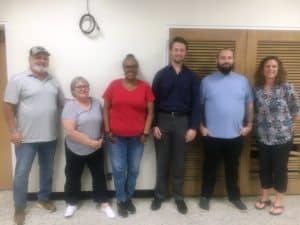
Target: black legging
{"x":73,"y":171}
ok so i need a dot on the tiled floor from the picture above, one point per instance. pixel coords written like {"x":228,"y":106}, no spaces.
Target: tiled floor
{"x":221,"y":213}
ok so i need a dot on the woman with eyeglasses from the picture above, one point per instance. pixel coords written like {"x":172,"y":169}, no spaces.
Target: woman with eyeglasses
{"x":82,"y":121}
{"x":128,"y":114}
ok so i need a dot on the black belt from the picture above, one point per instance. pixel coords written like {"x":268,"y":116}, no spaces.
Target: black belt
{"x":174,"y":113}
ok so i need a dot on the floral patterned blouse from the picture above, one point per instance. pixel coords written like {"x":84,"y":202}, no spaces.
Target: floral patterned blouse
{"x":274,"y":113}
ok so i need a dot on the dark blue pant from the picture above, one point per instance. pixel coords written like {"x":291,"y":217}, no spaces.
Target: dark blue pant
{"x":215,"y":150}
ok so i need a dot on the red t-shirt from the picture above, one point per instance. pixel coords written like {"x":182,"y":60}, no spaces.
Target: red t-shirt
{"x":127,"y":115}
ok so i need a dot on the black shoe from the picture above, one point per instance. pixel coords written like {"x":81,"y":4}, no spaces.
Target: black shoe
{"x":204,"y":203}
{"x":239,"y":204}
{"x":122,"y":209}
{"x":130,"y":206}
{"x":156,"y":204}
{"x":181,"y":206}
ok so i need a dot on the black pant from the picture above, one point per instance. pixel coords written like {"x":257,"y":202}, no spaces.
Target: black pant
{"x":273,"y":160}
{"x":171,"y":147}
{"x":73,"y":171}
{"x":216,"y":149}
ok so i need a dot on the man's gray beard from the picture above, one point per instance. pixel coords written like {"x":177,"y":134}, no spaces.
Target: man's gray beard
{"x":40,"y":69}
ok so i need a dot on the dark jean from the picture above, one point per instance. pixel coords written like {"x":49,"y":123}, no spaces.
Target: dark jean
{"x":73,"y":171}
{"x":125,"y":155}
{"x":273,"y":160}
{"x":215,"y":150}
{"x":25,"y":154}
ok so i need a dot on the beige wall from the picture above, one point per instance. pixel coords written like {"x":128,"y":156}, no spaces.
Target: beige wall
{"x":136,"y":26}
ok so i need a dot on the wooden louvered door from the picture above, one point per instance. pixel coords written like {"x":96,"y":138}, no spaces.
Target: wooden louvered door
{"x":5,"y":152}
{"x":249,"y":47}
{"x":285,"y":45}
{"x":203,"y":48}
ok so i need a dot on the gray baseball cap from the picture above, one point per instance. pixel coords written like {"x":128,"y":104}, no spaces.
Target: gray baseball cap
{"x":38,"y":50}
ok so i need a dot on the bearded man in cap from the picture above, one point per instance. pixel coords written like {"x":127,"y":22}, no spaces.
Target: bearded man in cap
{"x":31,"y":106}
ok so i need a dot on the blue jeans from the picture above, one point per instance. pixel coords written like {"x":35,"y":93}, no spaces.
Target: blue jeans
{"x":25,"y":154}
{"x":125,"y":155}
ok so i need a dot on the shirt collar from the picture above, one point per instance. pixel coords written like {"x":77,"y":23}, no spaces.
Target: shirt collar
{"x":184,"y":67}
{"x":30,"y":73}
{"x":222,"y":74}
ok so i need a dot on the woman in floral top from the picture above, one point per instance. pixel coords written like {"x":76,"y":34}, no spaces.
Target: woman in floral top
{"x":276,"y":108}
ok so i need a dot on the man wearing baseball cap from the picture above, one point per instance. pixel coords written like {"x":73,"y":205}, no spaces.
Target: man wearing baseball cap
{"x":31,"y":105}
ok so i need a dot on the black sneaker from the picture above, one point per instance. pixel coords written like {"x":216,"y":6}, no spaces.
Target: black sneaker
{"x":239,"y":204}
{"x":122,"y":209}
{"x":204,"y":203}
{"x":130,"y":206}
{"x":156,"y":204}
{"x":181,"y":206}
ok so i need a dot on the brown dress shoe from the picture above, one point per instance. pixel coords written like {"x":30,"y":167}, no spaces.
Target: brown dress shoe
{"x":19,"y":216}
{"x":48,"y":205}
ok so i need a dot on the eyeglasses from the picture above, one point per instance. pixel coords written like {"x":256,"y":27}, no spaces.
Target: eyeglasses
{"x":82,"y":87}
{"x":130,"y":66}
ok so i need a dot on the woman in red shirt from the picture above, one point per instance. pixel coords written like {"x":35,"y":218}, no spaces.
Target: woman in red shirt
{"x":128,"y":114}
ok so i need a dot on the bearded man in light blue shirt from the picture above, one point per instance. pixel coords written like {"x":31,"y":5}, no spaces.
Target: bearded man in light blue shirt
{"x":227,"y":103}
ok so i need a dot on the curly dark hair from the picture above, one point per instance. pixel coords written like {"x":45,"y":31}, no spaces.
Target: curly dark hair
{"x":259,"y":74}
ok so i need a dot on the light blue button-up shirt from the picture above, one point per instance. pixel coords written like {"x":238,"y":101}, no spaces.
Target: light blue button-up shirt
{"x":224,"y":98}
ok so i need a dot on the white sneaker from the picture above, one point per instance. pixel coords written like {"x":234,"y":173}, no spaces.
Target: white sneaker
{"x":70,"y":210}
{"x":108,"y":211}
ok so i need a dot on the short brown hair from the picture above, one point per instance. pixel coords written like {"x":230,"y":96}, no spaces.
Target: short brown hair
{"x":178,"y":40}
{"x":259,"y":74}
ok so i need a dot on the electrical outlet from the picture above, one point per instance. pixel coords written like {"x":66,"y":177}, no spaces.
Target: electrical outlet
{"x":108,"y":176}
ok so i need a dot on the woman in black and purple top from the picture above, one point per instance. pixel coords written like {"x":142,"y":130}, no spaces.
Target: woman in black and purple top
{"x":276,"y":107}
